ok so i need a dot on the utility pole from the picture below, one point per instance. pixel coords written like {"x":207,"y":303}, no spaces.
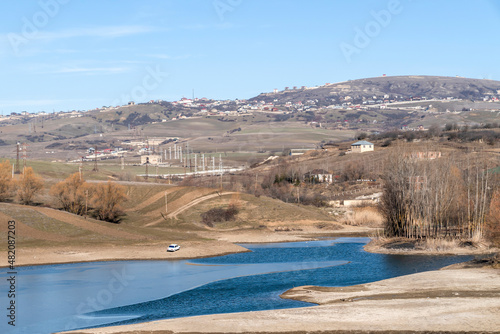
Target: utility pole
{"x":166,"y":203}
{"x":95,"y":169}
{"x":86,"y":200}
{"x":18,"y":148}
{"x":189,"y":157}
{"x":195,"y":164}
{"x":220,"y":170}
{"x":24,"y":153}
{"x":185,"y":162}
{"x":122,"y":159}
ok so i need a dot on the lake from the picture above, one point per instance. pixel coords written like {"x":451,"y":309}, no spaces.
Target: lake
{"x":73,"y":296}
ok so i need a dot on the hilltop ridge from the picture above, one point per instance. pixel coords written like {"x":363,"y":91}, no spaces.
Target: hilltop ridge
{"x":421,"y":86}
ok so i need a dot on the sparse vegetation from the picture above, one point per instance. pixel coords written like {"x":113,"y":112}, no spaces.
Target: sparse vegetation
{"x":363,"y":216}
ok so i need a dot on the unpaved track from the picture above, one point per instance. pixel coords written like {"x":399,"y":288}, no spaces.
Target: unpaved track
{"x":197,"y":201}
{"x":153,"y":199}
{"x":183,"y":208}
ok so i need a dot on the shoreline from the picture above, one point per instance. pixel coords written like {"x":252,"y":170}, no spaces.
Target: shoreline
{"x":218,"y":244}
{"x":63,"y":255}
{"x":357,"y":310}
{"x":222,"y":244}
{"x":450,"y":300}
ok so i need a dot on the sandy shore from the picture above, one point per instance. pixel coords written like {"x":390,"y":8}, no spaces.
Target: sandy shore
{"x":215,"y":244}
{"x":451,"y":300}
{"x":146,"y":251}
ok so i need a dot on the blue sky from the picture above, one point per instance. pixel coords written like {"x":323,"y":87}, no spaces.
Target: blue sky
{"x":76,"y":54}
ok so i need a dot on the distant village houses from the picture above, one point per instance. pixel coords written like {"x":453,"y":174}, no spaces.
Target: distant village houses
{"x":300,"y":151}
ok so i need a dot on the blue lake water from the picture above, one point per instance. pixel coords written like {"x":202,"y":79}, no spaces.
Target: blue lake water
{"x":73,"y":296}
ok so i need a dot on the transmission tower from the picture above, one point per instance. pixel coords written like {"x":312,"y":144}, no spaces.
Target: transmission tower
{"x":24,"y":154}
{"x":18,"y":149}
{"x":147,"y":170}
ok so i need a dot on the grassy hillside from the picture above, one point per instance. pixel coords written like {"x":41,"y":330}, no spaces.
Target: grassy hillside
{"x":146,"y":220}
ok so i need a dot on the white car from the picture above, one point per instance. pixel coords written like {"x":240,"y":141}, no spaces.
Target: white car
{"x":173,"y":248}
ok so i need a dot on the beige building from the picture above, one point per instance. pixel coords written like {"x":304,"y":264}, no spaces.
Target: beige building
{"x":152,"y":159}
{"x":362,"y":146}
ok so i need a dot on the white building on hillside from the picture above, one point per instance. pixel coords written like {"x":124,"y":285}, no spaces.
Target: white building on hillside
{"x":152,"y":159}
{"x":362,"y":146}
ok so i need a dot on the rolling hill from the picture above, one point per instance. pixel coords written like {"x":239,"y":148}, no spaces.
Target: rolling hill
{"x":431,"y":87}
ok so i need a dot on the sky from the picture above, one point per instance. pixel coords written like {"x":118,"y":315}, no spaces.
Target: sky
{"x":60,"y":55}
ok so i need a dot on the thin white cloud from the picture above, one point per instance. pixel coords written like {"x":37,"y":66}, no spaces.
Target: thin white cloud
{"x":104,"y":32}
{"x":169,"y":57}
{"x":89,"y":70}
{"x":199,"y":26}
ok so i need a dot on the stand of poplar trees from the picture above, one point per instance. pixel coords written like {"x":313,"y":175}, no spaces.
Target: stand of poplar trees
{"x":440,"y":198}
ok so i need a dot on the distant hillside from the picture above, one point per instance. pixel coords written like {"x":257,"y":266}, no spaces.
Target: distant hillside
{"x":397,"y":86}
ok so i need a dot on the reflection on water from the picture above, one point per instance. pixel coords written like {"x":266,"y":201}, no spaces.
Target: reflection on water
{"x":70,"y":296}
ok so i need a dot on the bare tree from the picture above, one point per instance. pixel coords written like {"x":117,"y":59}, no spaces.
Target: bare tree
{"x":5,"y":180}
{"x":71,"y":194}
{"x":107,"y":199}
{"x":28,"y":186}
{"x":435,"y":198}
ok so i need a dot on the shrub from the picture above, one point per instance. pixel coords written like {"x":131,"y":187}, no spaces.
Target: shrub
{"x":71,"y":194}
{"x":217,"y":215}
{"x":28,"y":186}
{"x":107,"y":199}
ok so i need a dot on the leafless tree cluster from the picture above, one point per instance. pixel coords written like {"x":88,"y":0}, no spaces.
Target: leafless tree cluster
{"x":104,"y":200}
{"x":24,"y":187}
{"x":445,"y":197}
